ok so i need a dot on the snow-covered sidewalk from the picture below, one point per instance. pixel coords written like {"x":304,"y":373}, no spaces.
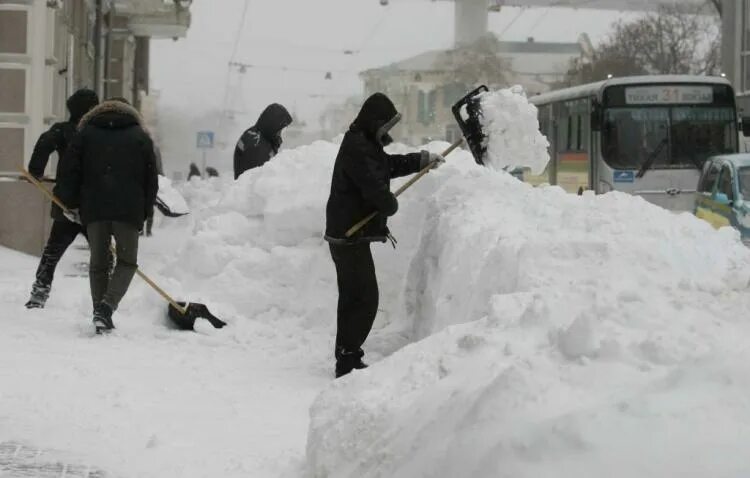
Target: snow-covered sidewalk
{"x":148,"y":400}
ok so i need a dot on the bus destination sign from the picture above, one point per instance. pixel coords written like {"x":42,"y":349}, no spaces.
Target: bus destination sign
{"x":669,"y":94}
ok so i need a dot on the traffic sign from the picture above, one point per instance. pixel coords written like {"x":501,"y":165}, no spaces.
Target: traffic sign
{"x":205,"y":140}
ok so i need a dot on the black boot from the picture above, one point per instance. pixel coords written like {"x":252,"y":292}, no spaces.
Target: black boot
{"x":103,"y":318}
{"x":38,"y":298}
{"x":347,"y":361}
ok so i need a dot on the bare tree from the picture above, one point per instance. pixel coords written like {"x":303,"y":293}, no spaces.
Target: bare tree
{"x":669,"y":41}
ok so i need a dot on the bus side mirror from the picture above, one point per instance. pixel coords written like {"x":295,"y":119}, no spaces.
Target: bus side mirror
{"x":745,"y":125}
{"x":596,"y":116}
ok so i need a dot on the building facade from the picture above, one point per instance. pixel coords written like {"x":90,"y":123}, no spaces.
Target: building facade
{"x":424,"y":91}
{"x":49,"y":49}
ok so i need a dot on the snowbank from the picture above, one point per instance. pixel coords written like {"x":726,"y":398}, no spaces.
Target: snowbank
{"x":565,"y":336}
{"x":171,"y":197}
{"x":513,"y":138}
{"x":556,"y":335}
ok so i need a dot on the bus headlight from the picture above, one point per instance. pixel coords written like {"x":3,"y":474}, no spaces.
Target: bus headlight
{"x":604,"y":187}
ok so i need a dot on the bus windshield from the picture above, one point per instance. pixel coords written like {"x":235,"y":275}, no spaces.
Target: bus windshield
{"x":632,"y":134}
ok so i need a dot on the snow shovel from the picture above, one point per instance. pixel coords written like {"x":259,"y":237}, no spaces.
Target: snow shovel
{"x":353,"y":230}
{"x":469,"y":121}
{"x":182,"y":314}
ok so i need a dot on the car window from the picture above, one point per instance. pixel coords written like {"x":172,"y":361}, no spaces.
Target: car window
{"x":725,"y":182}
{"x":709,"y":178}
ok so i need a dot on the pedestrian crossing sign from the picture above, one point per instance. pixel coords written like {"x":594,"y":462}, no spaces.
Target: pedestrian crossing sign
{"x":205,"y":140}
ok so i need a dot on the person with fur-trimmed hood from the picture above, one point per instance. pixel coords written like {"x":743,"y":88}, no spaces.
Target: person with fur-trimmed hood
{"x":262,"y":141}
{"x":63,"y":231}
{"x":110,"y":182}
{"x":360,"y":185}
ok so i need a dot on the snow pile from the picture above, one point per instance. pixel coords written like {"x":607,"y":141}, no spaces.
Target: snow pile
{"x":171,"y":197}
{"x":513,"y":138}
{"x":563,"y":336}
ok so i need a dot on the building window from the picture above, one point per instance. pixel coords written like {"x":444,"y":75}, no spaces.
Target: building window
{"x":13,"y":31}
{"x":426,"y":103}
{"x":13,"y":91}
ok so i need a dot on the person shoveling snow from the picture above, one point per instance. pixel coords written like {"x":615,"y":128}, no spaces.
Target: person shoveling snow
{"x":361,"y":184}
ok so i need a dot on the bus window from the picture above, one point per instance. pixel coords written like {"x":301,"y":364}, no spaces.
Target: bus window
{"x":579,"y":133}
{"x":631,"y":135}
{"x":702,"y":132}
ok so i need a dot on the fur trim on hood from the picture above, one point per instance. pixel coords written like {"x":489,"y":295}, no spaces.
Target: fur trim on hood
{"x":112,"y":107}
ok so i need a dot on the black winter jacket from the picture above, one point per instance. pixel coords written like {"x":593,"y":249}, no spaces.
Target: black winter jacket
{"x":109,"y":171}
{"x":261,"y":142}
{"x":362,"y":173}
{"x":57,"y":138}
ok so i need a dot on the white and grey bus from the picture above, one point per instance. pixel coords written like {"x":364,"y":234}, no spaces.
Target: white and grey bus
{"x":646,"y":135}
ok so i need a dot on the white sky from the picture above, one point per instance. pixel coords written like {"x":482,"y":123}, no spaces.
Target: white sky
{"x":311,"y":35}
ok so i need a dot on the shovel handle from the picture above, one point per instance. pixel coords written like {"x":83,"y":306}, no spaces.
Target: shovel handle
{"x":147,"y":279}
{"x":353,"y":230}
{"x":161,"y":292}
{"x":43,"y":189}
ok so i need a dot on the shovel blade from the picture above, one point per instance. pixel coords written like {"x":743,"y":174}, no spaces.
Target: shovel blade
{"x":194,"y":312}
{"x":468,"y":114}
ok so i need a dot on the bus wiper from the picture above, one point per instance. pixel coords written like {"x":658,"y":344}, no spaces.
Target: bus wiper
{"x":651,"y":158}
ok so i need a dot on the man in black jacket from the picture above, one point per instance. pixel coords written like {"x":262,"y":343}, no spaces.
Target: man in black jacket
{"x":110,"y":181}
{"x":359,"y":186}
{"x":63,"y":232}
{"x":261,"y":142}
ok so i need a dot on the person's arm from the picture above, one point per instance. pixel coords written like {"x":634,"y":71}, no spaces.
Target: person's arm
{"x":405,"y":164}
{"x":45,"y":145}
{"x":361,"y":171}
{"x":151,"y":185}
{"x":69,"y":177}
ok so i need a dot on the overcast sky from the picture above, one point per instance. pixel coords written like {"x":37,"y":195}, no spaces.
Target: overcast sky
{"x":310,"y":38}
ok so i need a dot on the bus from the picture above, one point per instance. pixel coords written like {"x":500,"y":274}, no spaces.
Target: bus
{"x":643,"y":135}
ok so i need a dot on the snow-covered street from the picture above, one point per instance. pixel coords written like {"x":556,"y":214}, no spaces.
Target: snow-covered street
{"x":522,"y":332}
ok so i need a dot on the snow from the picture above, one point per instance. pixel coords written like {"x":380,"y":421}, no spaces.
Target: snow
{"x":171,"y":197}
{"x":522,"y":332}
{"x":553,"y":335}
{"x":510,"y":124}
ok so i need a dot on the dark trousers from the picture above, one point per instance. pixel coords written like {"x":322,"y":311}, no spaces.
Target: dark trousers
{"x":358,"y":295}
{"x":61,"y":236}
{"x":105,"y":287}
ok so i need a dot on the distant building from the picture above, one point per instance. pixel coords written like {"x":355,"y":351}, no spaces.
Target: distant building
{"x":50,"y":48}
{"x":424,"y":89}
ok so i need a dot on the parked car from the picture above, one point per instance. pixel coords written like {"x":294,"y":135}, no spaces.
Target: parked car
{"x":723,"y":197}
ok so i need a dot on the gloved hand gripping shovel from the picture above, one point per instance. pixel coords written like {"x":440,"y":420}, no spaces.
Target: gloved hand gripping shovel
{"x":182,"y":314}
{"x":353,"y":230}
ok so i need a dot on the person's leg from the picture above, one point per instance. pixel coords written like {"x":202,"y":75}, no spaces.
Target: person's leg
{"x":357,"y":304}
{"x":126,"y":240}
{"x":100,"y":237}
{"x":149,"y":222}
{"x":63,"y":233}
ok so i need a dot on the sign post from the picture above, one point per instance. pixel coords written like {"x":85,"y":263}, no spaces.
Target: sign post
{"x":204,"y":141}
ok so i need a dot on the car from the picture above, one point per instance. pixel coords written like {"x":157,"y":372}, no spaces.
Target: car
{"x":723,"y":196}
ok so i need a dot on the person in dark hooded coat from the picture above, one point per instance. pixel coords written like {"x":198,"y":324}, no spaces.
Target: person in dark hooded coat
{"x":360,"y":185}
{"x":63,"y":231}
{"x":262,"y":141}
{"x":110,"y":182}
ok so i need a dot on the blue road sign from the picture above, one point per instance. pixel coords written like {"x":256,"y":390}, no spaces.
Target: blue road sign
{"x":205,"y":140}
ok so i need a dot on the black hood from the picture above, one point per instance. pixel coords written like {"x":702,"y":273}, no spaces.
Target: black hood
{"x":273,"y":119}
{"x":80,"y":103}
{"x":377,"y":116}
{"x":112,"y":114}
